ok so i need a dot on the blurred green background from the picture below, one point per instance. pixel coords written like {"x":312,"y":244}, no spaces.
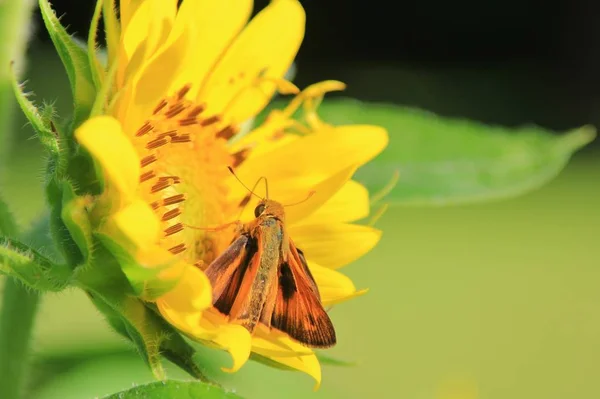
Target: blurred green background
{"x":497,"y":300}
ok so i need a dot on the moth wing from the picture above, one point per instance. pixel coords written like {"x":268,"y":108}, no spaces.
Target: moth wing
{"x":298,"y":310}
{"x":227,"y":271}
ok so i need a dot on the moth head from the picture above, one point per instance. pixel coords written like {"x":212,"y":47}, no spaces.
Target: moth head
{"x":267,"y":207}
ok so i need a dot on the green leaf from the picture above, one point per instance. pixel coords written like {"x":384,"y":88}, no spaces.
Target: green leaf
{"x":445,"y":161}
{"x":16,"y":26}
{"x":31,"y":267}
{"x":175,"y":390}
{"x":75,"y":61}
{"x":110,"y":292}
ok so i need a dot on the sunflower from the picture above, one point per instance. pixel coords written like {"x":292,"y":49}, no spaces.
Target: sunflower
{"x":182,"y":83}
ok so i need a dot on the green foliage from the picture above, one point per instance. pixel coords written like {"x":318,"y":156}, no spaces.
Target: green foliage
{"x":31,"y":267}
{"x":96,"y":69}
{"x":444,"y":161}
{"x":175,"y":390}
{"x":66,"y":245}
{"x":8,"y":226}
{"x":144,"y":281}
{"x":110,"y":291}
{"x":76,"y":63}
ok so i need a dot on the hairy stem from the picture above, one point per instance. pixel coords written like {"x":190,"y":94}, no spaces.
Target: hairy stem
{"x":18,"y":304}
{"x":15,"y":30}
{"x":16,"y":322}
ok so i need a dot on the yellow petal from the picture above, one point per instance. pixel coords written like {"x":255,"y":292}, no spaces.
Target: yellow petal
{"x":300,"y":197}
{"x":323,"y":191}
{"x":334,"y":287}
{"x":145,"y":27}
{"x":126,"y":10}
{"x":151,"y":22}
{"x":187,"y":308}
{"x":184,"y":304}
{"x":137,"y":223}
{"x":233,"y":338}
{"x":265,"y":137}
{"x":316,"y":156}
{"x":334,"y":245}
{"x":278,"y":347}
{"x":349,"y":204}
{"x":154,"y":78}
{"x":216,"y":25}
{"x":242,"y":83}
{"x":103,"y":137}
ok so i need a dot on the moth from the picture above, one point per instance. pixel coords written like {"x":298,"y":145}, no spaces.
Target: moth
{"x":262,"y":277}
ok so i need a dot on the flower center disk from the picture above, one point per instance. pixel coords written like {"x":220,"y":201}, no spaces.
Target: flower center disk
{"x":184,"y":159}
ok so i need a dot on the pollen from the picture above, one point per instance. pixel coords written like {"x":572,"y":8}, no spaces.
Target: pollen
{"x":184,"y":154}
{"x":147,"y":160}
{"x":176,"y":228}
{"x":177,"y":249}
{"x":147,"y":176}
{"x":173,"y":213}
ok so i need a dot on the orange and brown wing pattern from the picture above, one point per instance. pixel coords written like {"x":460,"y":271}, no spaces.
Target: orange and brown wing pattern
{"x":226,"y":273}
{"x":298,"y":310}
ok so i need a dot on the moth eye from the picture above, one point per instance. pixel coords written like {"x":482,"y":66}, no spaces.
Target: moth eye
{"x":259,"y":210}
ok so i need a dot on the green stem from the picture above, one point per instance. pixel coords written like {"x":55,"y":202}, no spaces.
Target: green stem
{"x":16,"y":322}
{"x":18,"y":304}
{"x":15,"y":29}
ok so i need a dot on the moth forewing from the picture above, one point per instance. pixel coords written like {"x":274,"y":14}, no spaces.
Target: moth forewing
{"x":220,"y":271}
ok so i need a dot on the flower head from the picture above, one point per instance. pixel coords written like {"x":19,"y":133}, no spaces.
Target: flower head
{"x":178,"y":87}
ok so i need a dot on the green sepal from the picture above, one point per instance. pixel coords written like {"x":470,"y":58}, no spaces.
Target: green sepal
{"x":75,"y":217}
{"x":66,"y":245}
{"x":112,"y":29}
{"x":85,"y":174}
{"x":326,"y":360}
{"x":40,"y":121}
{"x":105,"y":91}
{"x":323,"y":359}
{"x":97,"y":70}
{"x":76,"y":63}
{"x":271,"y":363}
{"x":109,"y":290}
{"x":31,"y":267}
{"x":177,"y":350}
{"x":175,"y":390}
{"x":144,"y":281}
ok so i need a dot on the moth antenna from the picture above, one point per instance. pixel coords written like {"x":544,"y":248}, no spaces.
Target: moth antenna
{"x":378,"y":196}
{"x":266,"y":186}
{"x":310,"y":194}
{"x":246,"y":187}
{"x":378,"y":214}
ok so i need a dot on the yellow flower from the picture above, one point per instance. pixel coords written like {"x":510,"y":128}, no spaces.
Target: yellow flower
{"x":184,"y":81}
